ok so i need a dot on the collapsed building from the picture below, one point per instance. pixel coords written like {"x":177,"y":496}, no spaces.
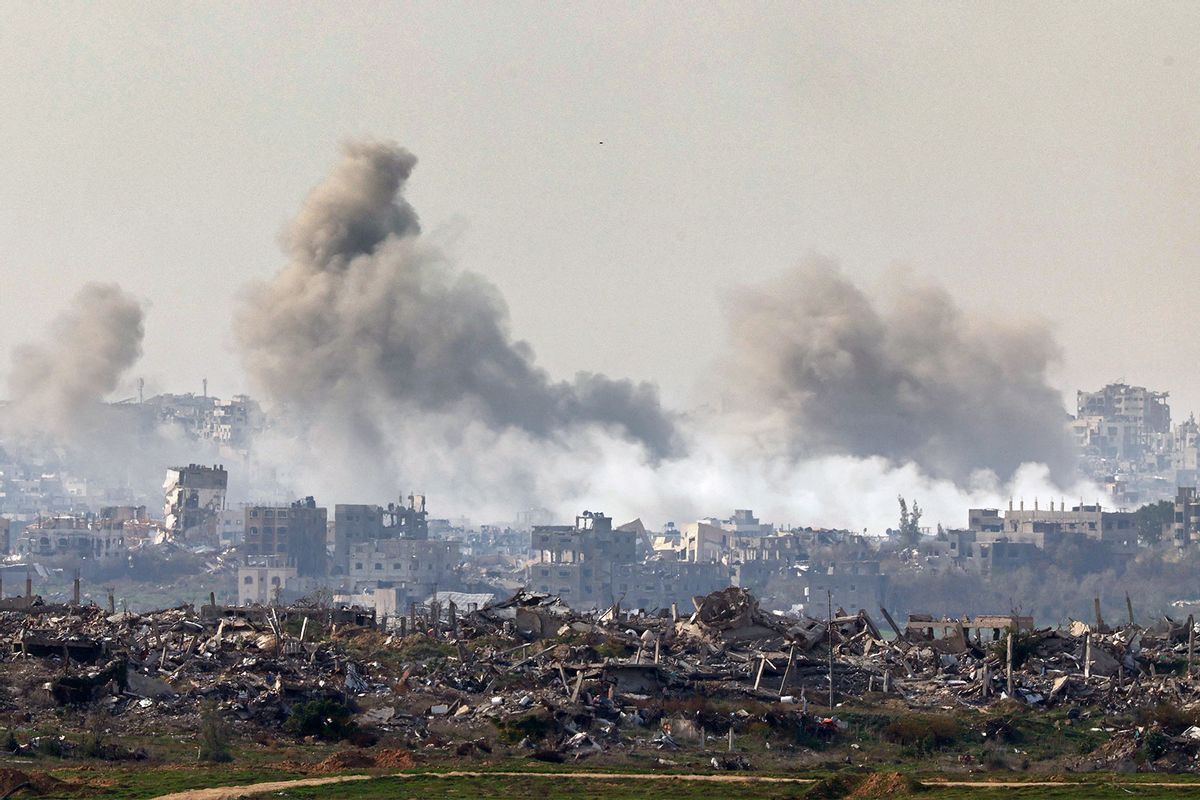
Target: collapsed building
{"x":556,"y":683}
{"x":408,"y":570}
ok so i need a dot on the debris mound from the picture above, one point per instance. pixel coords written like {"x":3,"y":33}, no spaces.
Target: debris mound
{"x":346,"y":759}
{"x":394,"y":759}
{"x":868,"y":786}
{"x":886,"y":784}
{"x":34,"y":783}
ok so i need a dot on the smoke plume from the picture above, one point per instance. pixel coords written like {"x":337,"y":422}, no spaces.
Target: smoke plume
{"x":377,"y":346}
{"x":57,"y":386}
{"x":825,"y":369}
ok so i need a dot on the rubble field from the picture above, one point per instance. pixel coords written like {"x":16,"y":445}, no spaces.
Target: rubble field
{"x":89,"y":695}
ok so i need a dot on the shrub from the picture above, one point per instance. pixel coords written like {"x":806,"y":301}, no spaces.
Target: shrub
{"x":923,"y":731}
{"x":420,"y":648}
{"x":214,"y":737}
{"x":1171,"y":718}
{"x":994,"y":758}
{"x":1154,"y":745}
{"x":1025,"y":644}
{"x":612,"y":649}
{"x":50,"y":746}
{"x":533,"y":727}
{"x":325,"y":719}
{"x":93,"y":746}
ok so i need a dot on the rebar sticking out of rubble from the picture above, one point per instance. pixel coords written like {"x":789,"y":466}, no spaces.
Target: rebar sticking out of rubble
{"x":787,"y":671}
{"x":1010,"y":663}
{"x":829,"y":598}
{"x":1191,"y":644}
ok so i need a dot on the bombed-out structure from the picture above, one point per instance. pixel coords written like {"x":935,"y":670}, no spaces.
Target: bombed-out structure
{"x":195,"y":498}
{"x":291,"y":535}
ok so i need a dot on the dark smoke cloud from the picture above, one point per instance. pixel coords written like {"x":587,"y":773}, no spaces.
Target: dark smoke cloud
{"x":57,"y":386}
{"x":366,"y":325}
{"x":911,"y":379}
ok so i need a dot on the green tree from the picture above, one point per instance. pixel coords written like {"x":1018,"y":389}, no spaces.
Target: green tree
{"x":1152,"y":519}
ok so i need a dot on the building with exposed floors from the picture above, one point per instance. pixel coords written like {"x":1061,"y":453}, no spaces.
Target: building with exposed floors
{"x":294,"y":533}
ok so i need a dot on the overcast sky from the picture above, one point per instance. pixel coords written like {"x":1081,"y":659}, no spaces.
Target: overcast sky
{"x":615,"y":168}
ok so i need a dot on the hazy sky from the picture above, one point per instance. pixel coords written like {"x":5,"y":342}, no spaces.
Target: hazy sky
{"x":616,"y":168}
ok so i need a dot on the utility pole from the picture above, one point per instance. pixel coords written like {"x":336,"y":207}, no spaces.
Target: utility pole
{"x":829,"y":635}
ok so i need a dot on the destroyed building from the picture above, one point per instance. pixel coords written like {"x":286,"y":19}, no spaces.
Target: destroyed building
{"x":963,"y":550}
{"x":80,"y":537}
{"x":1185,"y":526}
{"x":353,"y":523}
{"x":387,"y":557}
{"x":577,"y":562}
{"x":231,"y":527}
{"x":744,"y":522}
{"x":296,"y":533}
{"x":1116,"y":531}
{"x":205,"y":417}
{"x":1123,"y":423}
{"x":657,"y":583}
{"x":1126,"y":443}
{"x":195,"y":497}
{"x":701,"y":542}
{"x":359,"y":523}
{"x":268,"y":580}
{"x":413,"y":567}
{"x":851,"y":585}
{"x":232,"y":422}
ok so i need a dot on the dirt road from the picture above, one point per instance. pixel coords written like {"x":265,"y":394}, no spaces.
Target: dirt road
{"x":234,"y":792}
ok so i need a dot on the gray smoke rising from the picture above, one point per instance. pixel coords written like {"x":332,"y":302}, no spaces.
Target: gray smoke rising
{"x":910,"y":378}
{"x":57,"y":387}
{"x":366,"y":329}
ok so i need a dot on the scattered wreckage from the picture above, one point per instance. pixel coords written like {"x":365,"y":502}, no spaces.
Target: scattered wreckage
{"x":566,"y":684}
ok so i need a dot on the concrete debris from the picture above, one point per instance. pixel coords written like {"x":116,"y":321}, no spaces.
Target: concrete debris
{"x":581,"y":683}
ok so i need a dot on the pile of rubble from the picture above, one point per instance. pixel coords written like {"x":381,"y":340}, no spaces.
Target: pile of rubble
{"x":985,"y":659}
{"x":561,"y":683}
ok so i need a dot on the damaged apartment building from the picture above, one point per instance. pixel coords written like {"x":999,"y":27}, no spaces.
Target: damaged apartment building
{"x":998,"y":540}
{"x":386,"y":556}
{"x":78,"y":539}
{"x":283,"y":551}
{"x":1126,"y":443}
{"x":195,"y":500}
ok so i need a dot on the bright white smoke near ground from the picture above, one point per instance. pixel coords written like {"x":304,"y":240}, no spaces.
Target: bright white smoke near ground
{"x":400,"y":373}
{"x":388,"y":370}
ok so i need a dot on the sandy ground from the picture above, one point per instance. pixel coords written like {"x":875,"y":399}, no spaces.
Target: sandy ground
{"x":234,"y":792}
